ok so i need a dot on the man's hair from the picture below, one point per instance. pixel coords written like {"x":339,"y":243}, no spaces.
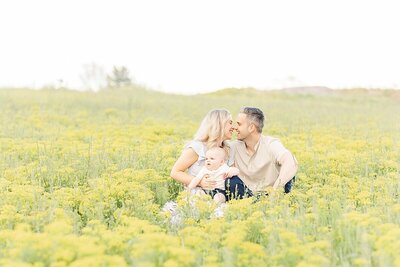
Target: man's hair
{"x":254,"y":115}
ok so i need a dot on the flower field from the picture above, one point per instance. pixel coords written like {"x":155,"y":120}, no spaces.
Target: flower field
{"x":84,"y":176}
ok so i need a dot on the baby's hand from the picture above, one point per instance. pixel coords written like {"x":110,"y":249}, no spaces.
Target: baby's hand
{"x":206,"y":176}
{"x":231,"y":172}
{"x":277,"y":183}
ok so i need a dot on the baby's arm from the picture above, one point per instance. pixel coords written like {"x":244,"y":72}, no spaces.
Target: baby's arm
{"x":232,"y":171}
{"x":196,"y":180}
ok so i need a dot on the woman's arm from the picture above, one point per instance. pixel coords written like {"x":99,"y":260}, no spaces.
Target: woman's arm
{"x":187,"y":159}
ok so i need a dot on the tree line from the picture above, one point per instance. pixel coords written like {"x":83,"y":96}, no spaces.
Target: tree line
{"x":94,"y":77}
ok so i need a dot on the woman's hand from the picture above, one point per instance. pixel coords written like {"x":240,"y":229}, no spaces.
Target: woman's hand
{"x":207,"y":183}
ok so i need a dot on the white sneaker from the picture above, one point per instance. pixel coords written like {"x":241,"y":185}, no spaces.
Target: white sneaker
{"x":219,"y":211}
{"x":170,"y":206}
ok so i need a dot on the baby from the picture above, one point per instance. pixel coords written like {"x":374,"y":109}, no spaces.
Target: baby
{"x":217,"y":170}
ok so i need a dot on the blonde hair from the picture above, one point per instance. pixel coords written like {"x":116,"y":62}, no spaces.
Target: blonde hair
{"x":219,"y":152}
{"x":211,"y":130}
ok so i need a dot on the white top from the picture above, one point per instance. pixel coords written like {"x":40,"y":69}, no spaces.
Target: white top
{"x":215,"y":175}
{"x":200,"y":148}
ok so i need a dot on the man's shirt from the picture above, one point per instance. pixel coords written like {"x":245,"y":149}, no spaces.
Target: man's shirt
{"x":262,"y":168}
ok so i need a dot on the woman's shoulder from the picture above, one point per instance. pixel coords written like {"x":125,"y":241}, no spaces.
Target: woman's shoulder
{"x":194,"y":143}
{"x":197,"y":146}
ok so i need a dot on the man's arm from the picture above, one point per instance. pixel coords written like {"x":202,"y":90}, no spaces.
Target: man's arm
{"x":288,"y":169}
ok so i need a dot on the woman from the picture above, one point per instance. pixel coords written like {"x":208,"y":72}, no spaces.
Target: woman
{"x":215,"y":129}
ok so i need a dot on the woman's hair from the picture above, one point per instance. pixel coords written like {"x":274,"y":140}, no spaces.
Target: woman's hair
{"x":211,"y":130}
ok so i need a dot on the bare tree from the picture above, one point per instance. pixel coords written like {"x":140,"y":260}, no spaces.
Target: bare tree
{"x":93,"y":77}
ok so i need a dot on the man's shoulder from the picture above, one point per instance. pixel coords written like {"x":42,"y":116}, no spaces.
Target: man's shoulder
{"x":269,"y":139}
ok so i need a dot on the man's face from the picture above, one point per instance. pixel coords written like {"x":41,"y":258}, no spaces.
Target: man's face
{"x":242,"y":126}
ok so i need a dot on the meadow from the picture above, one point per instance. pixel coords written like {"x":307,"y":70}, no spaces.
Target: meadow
{"x":84,"y":175}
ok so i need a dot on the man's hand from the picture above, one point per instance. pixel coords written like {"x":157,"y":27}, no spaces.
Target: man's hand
{"x":277,"y":183}
{"x":207,"y":183}
{"x":288,"y":170}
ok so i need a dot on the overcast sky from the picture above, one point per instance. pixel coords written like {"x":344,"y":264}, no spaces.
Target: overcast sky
{"x":197,"y":46}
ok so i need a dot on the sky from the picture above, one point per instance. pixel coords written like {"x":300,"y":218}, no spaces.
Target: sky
{"x":185,"y":46}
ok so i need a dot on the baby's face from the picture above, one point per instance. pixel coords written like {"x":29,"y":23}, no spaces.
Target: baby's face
{"x":214,"y":160}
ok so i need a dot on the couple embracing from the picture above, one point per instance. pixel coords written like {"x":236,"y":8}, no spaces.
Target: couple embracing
{"x":213,"y":164}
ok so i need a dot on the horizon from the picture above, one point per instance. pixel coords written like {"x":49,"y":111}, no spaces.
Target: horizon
{"x":310,"y":90}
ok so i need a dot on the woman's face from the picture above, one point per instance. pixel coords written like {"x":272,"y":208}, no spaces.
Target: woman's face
{"x":228,"y":129}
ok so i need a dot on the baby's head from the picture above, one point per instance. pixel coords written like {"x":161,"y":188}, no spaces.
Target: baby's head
{"x":215,"y":158}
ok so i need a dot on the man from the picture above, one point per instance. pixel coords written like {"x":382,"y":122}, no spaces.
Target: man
{"x":262,"y":160}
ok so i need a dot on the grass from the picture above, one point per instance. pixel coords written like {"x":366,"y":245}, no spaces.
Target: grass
{"x":83,"y":177}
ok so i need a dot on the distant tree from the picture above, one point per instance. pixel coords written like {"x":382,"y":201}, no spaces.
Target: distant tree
{"x":93,"y":77}
{"x":119,"y":77}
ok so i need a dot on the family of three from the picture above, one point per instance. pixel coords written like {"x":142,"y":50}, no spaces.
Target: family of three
{"x":214,"y":164}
